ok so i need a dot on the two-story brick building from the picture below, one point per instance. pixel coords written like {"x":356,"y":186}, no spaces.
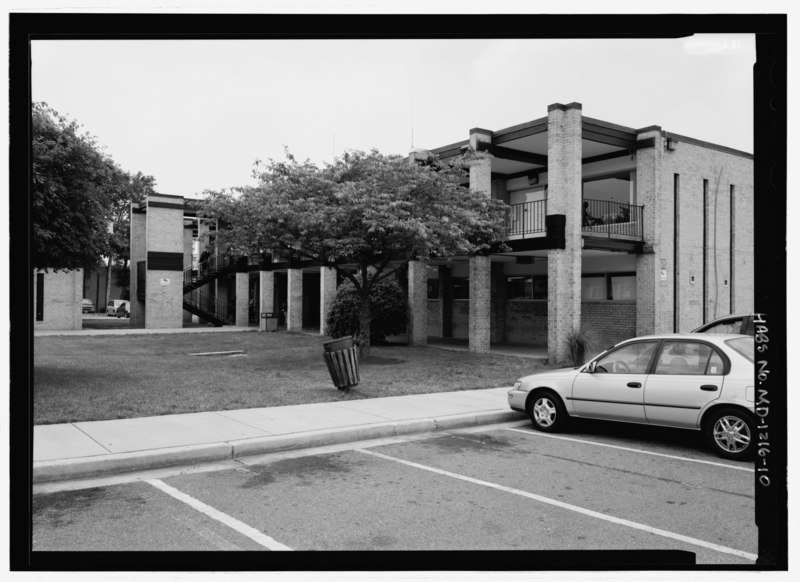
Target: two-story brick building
{"x":613,"y":230}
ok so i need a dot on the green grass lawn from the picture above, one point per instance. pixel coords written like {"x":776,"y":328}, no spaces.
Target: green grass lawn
{"x":80,"y":378}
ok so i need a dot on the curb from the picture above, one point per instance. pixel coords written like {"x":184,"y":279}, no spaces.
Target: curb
{"x":113,"y":464}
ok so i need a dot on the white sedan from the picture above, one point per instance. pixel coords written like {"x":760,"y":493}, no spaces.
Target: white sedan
{"x":693,"y":381}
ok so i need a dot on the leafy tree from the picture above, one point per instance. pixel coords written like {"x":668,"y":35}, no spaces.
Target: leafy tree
{"x":365,"y":215}
{"x":70,"y":193}
{"x":80,"y":197}
{"x":387,"y":305}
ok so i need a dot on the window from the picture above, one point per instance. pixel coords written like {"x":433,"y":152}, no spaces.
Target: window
{"x":526,"y":287}
{"x":623,"y":287}
{"x":682,"y":358}
{"x":629,"y":359}
{"x":460,"y":287}
{"x":733,"y":325}
{"x":39,"y":296}
{"x":593,"y":288}
{"x":433,"y":288}
{"x":608,"y":286}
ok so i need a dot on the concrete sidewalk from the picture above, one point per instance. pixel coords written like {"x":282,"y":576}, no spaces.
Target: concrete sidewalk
{"x":90,"y":449}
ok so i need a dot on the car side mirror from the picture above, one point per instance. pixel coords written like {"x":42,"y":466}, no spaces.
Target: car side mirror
{"x":591,"y":367}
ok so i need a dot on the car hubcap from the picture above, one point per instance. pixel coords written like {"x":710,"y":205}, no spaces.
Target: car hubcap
{"x":731,"y":434}
{"x":545,"y":412}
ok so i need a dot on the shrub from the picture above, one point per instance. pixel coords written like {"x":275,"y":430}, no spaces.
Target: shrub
{"x":579,"y":345}
{"x":387,"y":304}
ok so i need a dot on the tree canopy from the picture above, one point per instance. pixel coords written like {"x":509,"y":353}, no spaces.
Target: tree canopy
{"x":365,"y":215}
{"x":77,"y":192}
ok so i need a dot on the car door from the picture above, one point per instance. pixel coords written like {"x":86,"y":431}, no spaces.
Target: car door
{"x":687,"y":376}
{"x":614,"y":390}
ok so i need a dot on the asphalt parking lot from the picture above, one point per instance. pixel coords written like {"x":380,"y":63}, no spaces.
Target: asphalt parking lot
{"x":499,"y":487}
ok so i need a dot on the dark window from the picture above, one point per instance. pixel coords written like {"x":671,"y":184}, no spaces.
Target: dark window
{"x":540,"y":286}
{"x":732,"y":325}
{"x":39,"y":296}
{"x":433,"y":288}
{"x":460,"y":286}
{"x":520,"y":287}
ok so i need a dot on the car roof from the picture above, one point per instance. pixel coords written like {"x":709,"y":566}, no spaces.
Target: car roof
{"x":690,"y":336}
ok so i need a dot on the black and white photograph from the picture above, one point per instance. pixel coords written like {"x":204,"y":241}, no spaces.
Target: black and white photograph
{"x":416,"y":292}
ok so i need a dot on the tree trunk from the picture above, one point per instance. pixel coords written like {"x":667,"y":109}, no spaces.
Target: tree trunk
{"x":108,"y":283}
{"x":365,"y":323}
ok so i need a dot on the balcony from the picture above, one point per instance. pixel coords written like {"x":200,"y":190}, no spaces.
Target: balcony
{"x":606,"y":219}
{"x":602,"y":219}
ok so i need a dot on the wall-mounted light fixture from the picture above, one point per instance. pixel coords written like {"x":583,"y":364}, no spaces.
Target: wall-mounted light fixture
{"x":533,"y":179}
{"x":669,"y":145}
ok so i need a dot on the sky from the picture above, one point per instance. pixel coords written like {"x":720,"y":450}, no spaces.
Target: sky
{"x":197,"y":114}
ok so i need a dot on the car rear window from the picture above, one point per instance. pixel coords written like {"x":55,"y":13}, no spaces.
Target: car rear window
{"x":743,"y":345}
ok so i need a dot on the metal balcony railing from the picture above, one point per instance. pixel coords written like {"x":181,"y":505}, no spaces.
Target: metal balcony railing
{"x":612,"y":219}
{"x":526,"y":218}
{"x":600,"y":218}
{"x":224,"y":311}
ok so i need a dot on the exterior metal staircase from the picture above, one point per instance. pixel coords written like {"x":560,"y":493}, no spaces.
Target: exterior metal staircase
{"x":204,"y":305}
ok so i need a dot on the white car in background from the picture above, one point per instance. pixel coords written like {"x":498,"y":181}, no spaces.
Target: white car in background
{"x":700,"y":382}
{"x":116,"y":305}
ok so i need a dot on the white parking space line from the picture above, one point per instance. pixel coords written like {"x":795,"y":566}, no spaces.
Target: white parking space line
{"x":570,"y":507}
{"x":643,"y":452}
{"x":235,"y":524}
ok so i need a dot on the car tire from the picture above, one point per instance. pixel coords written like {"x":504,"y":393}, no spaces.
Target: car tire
{"x":731,"y":433}
{"x":546,"y":411}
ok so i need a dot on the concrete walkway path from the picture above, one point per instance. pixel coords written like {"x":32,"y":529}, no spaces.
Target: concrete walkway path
{"x":99,"y":448}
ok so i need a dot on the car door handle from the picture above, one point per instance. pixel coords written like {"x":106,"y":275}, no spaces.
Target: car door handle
{"x":708,"y":387}
{"x":634,"y":384}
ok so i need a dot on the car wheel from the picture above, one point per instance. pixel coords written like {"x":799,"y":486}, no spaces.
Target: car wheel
{"x":546,"y":411}
{"x":730,"y":432}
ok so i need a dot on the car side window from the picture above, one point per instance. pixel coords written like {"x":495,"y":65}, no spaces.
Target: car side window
{"x":688,"y":358}
{"x":726,"y":326}
{"x":630,"y":359}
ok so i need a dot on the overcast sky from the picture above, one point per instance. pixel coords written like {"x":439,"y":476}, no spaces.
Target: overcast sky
{"x":196,"y":114}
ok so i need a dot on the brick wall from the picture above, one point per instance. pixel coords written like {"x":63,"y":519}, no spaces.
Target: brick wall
{"x":164,"y":299}
{"x":608,"y":322}
{"x":63,"y":292}
{"x":526,"y":322}
{"x":695,"y":163}
{"x":435,"y":317}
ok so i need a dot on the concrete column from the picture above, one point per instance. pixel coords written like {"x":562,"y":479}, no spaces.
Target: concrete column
{"x":480,"y":304}
{"x":655,"y":267}
{"x":164,"y":280}
{"x":564,"y":206}
{"x":266,"y":297}
{"x":498,"y":302}
{"x":294,"y":309}
{"x":188,"y":243}
{"x":480,"y":169}
{"x":327,"y":295}
{"x":138,"y":249}
{"x":242,"y":299}
{"x":417,"y":303}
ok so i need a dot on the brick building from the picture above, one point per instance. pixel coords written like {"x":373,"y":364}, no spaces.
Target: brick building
{"x":57,"y":299}
{"x":612,"y":230}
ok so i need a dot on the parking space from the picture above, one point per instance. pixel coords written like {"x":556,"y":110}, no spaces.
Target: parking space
{"x":504,"y":487}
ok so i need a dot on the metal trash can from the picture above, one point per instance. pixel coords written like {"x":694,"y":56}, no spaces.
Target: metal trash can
{"x":341,"y":358}
{"x":268,"y":322}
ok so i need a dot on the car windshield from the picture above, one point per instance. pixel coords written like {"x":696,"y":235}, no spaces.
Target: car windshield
{"x":743,"y":345}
